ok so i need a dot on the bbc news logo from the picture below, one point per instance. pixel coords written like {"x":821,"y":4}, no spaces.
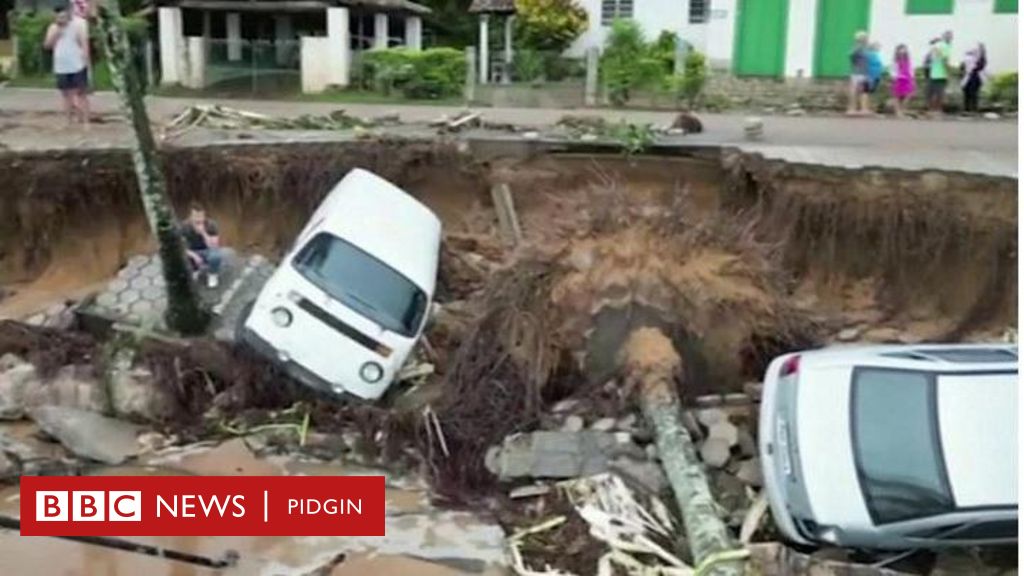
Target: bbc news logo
{"x":89,"y":506}
{"x":202,"y":506}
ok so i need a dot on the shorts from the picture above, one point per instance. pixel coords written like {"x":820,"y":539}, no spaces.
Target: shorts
{"x":936,"y":88}
{"x":74,"y":81}
{"x":870,"y":86}
{"x":859,"y":82}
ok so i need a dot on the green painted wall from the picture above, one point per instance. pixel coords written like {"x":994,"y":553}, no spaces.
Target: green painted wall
{"x":838,"y":21}
{"x":760,"y":45}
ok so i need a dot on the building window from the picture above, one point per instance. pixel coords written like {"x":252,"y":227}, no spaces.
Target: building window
{"x":1006,"y":6}
{"x":929,"y":6}
{"x":699,"y":11}
{"x":612,"y":10}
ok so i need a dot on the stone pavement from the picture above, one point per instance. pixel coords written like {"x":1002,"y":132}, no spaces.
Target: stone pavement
{"x":969,"y":145}
{"x":137,"y":296}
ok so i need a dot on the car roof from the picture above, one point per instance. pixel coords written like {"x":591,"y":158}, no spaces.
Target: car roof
{"x":385,"y":221}
{"x":925,"y":357}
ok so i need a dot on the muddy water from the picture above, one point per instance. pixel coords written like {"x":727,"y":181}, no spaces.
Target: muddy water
{"x":420,"y":539}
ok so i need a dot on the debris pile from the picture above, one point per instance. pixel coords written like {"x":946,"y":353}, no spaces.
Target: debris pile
{"x":226,"y":118}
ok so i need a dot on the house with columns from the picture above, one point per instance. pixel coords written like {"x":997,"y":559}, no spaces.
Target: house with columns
{"x":318,"y":38}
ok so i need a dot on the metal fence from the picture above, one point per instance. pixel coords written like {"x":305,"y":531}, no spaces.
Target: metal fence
{"x":253,"y":67}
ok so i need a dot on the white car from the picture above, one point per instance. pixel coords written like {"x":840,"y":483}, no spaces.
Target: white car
{"x":348,"y":303}
{"x":892,"y":447}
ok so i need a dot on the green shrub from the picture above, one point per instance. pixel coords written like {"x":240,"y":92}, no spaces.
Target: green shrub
{"x":549,"y":25}
{"x":626,"y":64}
{"x":695,"y":75}
{"x":427,"y":74}
{"x":664,"y":50}
{"x":1003,"y":90}
{"x":528,"y":65}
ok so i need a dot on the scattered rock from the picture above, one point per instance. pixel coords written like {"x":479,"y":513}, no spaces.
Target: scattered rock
{"x":603,"y":425}
{"x":9,"y":469}
{"x":152,"y":442}
{"x":565,"y":406}
{"x":848,"y":334}
{"x":547,"y":454}
{"x":883,"y":334}
{"x":21,"y":388}
{"x":708,"y":401}
{"x":710,"y":416}
{"x":651,"y":451}
{"x":797,"y":111}
{"x":87,"y":434}
{"x":753,"y":128}
{"x":715,"y":452}
{"x":573,"y":423}
{"x":688,"y":123}
{"x":724,"y":430}
{"x":588,"y":137}
{"x":529,"y":491}
{"x":991,"y":116}
{"x":626,"y":423}
{"x":746,"y":442}
{"x":750,"y":472}
{"x":644,"y":472}
{"x":736,"y":399}
{"x":531,"y":135}
{"x":135,"y":394}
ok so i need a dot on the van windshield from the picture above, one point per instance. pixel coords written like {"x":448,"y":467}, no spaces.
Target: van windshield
{"x":362,"y":283}
{"x":896,"y":445}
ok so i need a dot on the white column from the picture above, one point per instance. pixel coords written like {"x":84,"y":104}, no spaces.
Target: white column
{"x":284,"y":41}
{"x":380,"y":31}
{"x":506,"y":75}
{"x":196,"y":77}
{"x":800,"y":34}
{"x":484,"y":63}
{"x":172,"y":45}
{"x":234,"y":26}
{"x":340,"y":52}
{"x":721,"y":34}
{"x":207,"y":26}
{"x":414,"y":32}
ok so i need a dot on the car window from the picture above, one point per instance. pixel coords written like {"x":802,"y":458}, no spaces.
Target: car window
{"x":896,"y":445}
{"x":362,"y":283}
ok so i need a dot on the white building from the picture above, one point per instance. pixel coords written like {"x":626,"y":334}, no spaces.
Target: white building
{"x":812,"y":37}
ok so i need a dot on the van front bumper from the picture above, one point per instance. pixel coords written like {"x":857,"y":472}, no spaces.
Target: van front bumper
{"x":292,"y":368}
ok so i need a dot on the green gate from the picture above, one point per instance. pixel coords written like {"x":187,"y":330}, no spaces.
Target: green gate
{"x":838,"y":21}
{"x":760,"y":48}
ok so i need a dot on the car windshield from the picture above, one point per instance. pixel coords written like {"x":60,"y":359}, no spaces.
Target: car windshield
{"x":362,"y":283}
{"x":896,"y":443}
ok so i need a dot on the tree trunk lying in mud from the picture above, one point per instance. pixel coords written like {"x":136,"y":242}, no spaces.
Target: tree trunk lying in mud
{"x":184,"y":314}
{"x":652,"y":364}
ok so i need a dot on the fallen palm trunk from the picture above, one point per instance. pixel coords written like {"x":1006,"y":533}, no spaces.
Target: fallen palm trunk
{"x":651,"y":364}
{"x":184,"y":313}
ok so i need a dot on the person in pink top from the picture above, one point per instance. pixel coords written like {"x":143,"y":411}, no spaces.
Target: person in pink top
{"x":902,"y":78}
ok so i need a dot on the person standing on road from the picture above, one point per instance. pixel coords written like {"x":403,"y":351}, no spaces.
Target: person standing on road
{"x":902,"y":78}
{"x":973,"y":70}
{"x":68,"y":37}
{"x":859,"y":74}
{"x":875,"y":69}
{"x":938,"y":72}
{"x":202,"y":245}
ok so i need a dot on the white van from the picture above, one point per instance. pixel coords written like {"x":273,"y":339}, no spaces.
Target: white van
{"x":348,"y":303}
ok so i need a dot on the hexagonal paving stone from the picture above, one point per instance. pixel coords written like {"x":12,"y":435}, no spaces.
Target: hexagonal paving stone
{"x":140,"y":282}
{"x":151,"y":268}
{"x":107,"y":300}
{"x":128,"y":296}
{"x":142,"y":307}
{"x":159,"y":281}
{"x":117,"y":285}
{"x":153,"y":293}
{"x":152,"y":272}
{"x":136,"y":262}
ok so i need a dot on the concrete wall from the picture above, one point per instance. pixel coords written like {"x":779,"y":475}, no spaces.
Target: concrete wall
{"x":316,"y":67}
{"x":173,"y":64}
{"x":652,"y":15}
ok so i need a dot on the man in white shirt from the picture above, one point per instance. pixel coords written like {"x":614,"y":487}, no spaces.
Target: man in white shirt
{"x":68,"y":37}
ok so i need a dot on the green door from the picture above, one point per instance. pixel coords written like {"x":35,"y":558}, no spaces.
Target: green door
{"x":838,"y":21}
{"x":760,"y":37}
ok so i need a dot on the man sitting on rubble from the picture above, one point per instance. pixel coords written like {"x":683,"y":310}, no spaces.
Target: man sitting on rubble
{"x":202,"y":244}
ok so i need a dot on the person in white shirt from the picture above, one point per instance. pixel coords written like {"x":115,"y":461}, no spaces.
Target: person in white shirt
{"x":68,"y":37}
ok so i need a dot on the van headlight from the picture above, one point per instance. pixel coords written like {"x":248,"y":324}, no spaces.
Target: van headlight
{"x":281,"y":316}
{"x":828,"y":534}
{"x":371,"y":372}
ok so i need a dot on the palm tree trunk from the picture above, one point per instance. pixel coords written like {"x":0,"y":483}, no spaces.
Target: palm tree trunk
{"x":184,"y":313}
{"x":652,"y":365}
